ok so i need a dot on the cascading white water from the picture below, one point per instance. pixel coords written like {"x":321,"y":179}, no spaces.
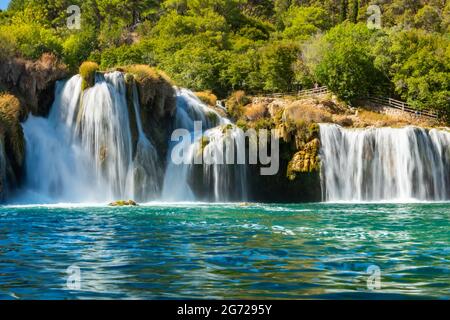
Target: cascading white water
{"x":146,"y":172}
{"x":223,"y":181}
{"x":385,"y":164}
{"x":84,"y":150}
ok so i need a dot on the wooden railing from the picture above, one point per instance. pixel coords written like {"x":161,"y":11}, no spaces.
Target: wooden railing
{"x":381,"y":101}
{"x":299,"y":94}
{"x":403,"y":106}
{"x":313,"y":92}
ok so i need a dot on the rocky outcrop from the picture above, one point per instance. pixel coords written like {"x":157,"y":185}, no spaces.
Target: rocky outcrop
{"x":295,"y":121}
{"x":123,"y":203}
{"x":305,"y":161}
{"x":87,"y":72}
{"x":158,"y":104}
{"x":33,"y":82}
{"x":12,"y":143}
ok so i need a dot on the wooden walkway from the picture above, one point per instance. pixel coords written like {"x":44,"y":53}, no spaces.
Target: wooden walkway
{"x":308,"y":93}
{"x":403,"y":106}
{"x":381,"y":101}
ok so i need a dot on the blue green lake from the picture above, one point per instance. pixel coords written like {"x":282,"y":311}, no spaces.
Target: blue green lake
{"x":226,"y":251}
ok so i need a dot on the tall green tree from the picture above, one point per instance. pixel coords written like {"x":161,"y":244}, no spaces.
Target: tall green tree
{"x":346,"y":64}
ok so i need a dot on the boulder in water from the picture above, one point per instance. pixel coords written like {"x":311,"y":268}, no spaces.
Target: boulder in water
{"x":123,"y":203}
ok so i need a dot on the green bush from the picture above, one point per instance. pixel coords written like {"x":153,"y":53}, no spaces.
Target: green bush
{"x":303,"y":22}
{"x":31,"y":39}
{"x":121,"y":56}
{"x":78,"y":47}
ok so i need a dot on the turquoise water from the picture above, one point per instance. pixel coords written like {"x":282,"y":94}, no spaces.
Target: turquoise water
{"x":226,"y":251}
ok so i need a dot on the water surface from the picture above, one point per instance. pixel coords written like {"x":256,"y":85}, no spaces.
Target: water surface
{"x":226,"y":251}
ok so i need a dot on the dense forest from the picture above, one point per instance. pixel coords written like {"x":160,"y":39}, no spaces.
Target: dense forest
{"x":251,"y":45}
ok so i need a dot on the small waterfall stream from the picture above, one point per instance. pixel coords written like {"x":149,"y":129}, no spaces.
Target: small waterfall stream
{"x":143,"y":183}
{"x":214,"y":178}
{"x":385,"y":164}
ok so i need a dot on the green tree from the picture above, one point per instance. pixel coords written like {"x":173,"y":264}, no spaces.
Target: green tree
{"x":302,"y":22}
{"x":419,"y":65}
{"x":346,"y":64}
{"x":428,"y":18}
{"x":277,"y":66}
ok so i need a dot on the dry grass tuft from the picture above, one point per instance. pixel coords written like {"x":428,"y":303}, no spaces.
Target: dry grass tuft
{"x":155,"y":89}
{"x":255,"y":111}
{"x":235,"y":104}
{"x":304,"y":111}
{"x":207,"y":97}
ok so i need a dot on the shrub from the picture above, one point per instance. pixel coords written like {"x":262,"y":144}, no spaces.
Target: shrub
{"x":235,"y":104}
{"x":255,"y":111}
{"x":32,"y":39}
{"x":207,"y":97}
{"x":8,"y":45}
{"x":78,"y":47}
{"x":121,"y":56}
{"x":307,"y":112}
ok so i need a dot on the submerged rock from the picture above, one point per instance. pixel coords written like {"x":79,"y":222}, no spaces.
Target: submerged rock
{"x":123,"y":203}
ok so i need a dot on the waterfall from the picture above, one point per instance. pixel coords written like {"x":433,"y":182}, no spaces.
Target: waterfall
{"x":214,"y":179}
{"x":84,"y":150}
{"x":93,"y":148}
{"x":146,"y":172}
{"x":385,"y":164}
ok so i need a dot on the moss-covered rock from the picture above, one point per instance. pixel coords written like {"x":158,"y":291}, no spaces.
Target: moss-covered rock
{"x":213,"y":118}
{"x":156,"y":90}
{"x":10,"y":115}
{"x":13,"y":141}
{"x":305,"y":161}
{"x":158,"y":103}
{"x":87,"y":72}
{"x":123,"y":203}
